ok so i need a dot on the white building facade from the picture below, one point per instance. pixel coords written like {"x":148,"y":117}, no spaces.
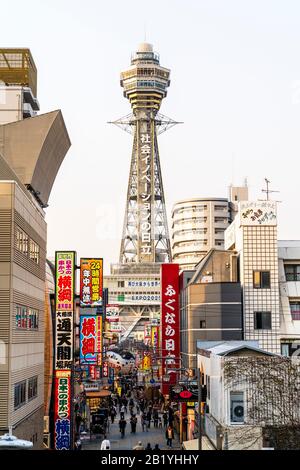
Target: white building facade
{"x":253,"y":234}
{"x":197,"y":226}
{"x":289,"y":284}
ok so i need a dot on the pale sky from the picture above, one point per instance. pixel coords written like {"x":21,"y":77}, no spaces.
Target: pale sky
{"x":235,"y":82}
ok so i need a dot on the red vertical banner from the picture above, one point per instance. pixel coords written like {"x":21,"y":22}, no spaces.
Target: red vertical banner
{"x":105,"y":369}
{"x":170,"y":323}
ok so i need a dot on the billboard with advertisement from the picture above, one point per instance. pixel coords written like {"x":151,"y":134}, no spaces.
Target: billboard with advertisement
{"x":258,"y":213}
{"x":91,"y":339}
{"x":154,"y":337}
{"x":64,"y":281}
{"x":91,"y":282}
{"x":112,"y":312}
{"x":146,"y":360}
{"x":170,"y":326}
{"x":62,"y":410}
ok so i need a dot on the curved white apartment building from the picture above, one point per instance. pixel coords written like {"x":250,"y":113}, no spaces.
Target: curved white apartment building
{"x":197,"y":226}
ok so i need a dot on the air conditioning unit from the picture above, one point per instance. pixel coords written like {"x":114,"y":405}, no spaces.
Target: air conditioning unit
{"x":237,"y":408}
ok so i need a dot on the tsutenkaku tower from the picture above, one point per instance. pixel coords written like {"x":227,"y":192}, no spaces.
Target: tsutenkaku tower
{"x":145,"y":236}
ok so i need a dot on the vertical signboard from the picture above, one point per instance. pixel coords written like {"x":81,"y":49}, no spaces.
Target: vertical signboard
{"x":91,"y":339}
{"x":62,"y":410}
{"x":65,"y":282}
{"x":63,"y":361}
{"x":146,"y":360}
{"x":170,"y":328}
{"x":105,"y":369}
{"x":91,"y":282}
{"x":145,"y":170}
{"x":147,"y":333}
{"x":154,"y":337}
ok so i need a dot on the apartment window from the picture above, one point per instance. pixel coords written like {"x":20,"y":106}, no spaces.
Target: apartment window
{"x":219,"y":230}
{"x":34,"y":253}
{"x":202,"y":324}
{"x":21,"y":316}
{"x":32,"y":388}
{"x":221,"y":219}
{"x":261,"y":280}
{"x":19,"y":394}
{"x":21,"y":241}
{"x":219,"y":242}
{"x":220,"y":208}
{"x":292,"y":272}
{"x":121,"y":283}
{"x":295,"y":310}
{"x":26,"y":318}
{"x":262,"y":320}
{"x":32,"y":319}
{"x":237,"y":412}
{"x":288,"y":349}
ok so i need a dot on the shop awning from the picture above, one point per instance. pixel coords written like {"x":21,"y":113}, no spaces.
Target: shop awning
{"x":99,"y":394}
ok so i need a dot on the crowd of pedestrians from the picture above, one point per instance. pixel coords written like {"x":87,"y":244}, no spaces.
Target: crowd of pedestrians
{"x":132,"y":407}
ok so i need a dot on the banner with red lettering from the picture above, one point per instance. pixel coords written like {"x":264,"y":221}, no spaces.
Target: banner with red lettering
{"x":170,"y":324}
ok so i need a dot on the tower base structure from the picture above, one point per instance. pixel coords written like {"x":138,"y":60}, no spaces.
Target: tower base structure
{"x":136,"y":289}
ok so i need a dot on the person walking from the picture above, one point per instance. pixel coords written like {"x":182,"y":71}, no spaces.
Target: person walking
{"x":105,"y":444}
{"x":165,"y":418}
{"x":149,"y":414}
{"x":169,"y":435}
{"x":133,"y":422}
{"x":155,"y":418}
{"x":159,"y":422}
{"x":139,"y":446}
{"x":122,"y":426}
{"x":144,"y":422}
{"x":112,"y":414}
{"x":122,"y":411}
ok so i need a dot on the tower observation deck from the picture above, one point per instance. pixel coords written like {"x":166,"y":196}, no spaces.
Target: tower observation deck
{"x":145,"y":237}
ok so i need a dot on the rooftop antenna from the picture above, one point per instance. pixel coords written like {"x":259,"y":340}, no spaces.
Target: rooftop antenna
{"x":268,"y":191}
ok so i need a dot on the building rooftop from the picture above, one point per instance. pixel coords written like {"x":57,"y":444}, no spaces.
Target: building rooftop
{"x":17,"y":67}
{"x":222,"y":348}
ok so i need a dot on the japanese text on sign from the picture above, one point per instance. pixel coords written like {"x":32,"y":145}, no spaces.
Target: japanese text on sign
{"x":91,"y":282}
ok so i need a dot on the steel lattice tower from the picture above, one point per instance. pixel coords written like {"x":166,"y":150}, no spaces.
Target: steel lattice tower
{"x":145,"y":236}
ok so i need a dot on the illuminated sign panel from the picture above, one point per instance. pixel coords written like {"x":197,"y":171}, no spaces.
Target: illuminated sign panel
{"x":91,"y":339}
{"x":112,"y":312}
{"x":64,"y":288}
{"x":91,"y":282}
{"x":62,"y":410}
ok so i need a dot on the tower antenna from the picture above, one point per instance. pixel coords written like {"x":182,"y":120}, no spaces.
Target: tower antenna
{"x":268,"y":191}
